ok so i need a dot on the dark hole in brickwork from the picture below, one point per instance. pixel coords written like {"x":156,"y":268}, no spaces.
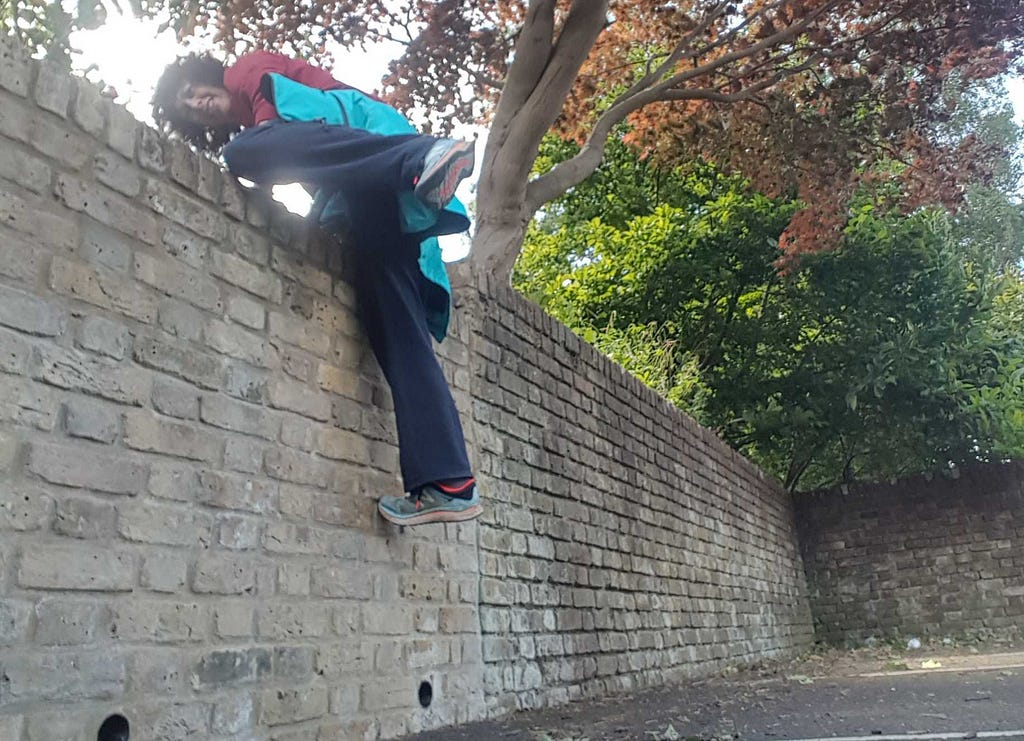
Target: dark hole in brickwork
{"x":426,"y":694}
{"x":114,"y":728}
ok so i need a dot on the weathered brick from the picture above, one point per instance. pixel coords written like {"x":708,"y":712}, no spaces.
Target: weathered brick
{"x":104,"y":336}
{"x":296,"y":467}
{"x":226,"y":413}
{"x":232,"y":199}
{"x":338,"y":380}
{"x":246,"y":311}
{"x":243,"y":455}
{"x":179,"y":280}
{"x":144,"y":430}
{"x":388,"y":619}
{"x":84,"y":517}
{"x":11,"y":726}
{"x":231,"y":667}
{"x":20,"y":260}
{"x":118,"y":173}
{"x":25,"y":508}
{"x":294,"y":663}
{"x":77,"y":371}
{"x":24,"y":312}
{"x":15,"y":69}
{"x":63,"y":677}
{"x":175,"y":399}
{"x":234,"y":620}
{"x":25,"y":169}
{"x":183,"y":210}
{"x":281,"y":706}
{"x":15,"y":620}
{"x":293,"y":579}
{"x":286,"y":537}
{"x":340,"y":582}
{"x":31,"y":219}
{"x":181,"y":164}
{"x":289,"y":265}
{"x":292,"y":621}
{"x":298,"y":365}
{"x":87,"y":467}
{"x":177,"y":481}
{"x":181,"y":320}
{"x":299,"y":332}
{"x":224,"y":574}
{"x":187,"y":247}
{"x":232,"y":715}
{"x":91,"y":420}
{"x":90,"y":107}
{"x":60,"y":622}
{"x":15,"y":353}
{"x":250,"y":244}
{"x":342,"y":445}
{"x":158,"y":621}
{"x":102,"y":287}
{"x":179,"y":359}
{"x":77,"y":567}
{"x":53,"y":88}
{"x":149,"y":522}
{"x":177,"y":722}
{"x":104,"y":246}
{"x":238,"y":532}
{"x":157,"y":671}
{"x":298,"y":398}
{"x":107,"y":207}
{"x":298,"y":432}
{"x":151,"y":150}
{"x":380,"y":697}
{"x":245,"y":382}
{"x":240,"y":343}
{"x":232,"y":491}
{"x":163,"y":572}
{"x":210,"y":179}
{"x":122,"y":131}
{"x":252,"y":278}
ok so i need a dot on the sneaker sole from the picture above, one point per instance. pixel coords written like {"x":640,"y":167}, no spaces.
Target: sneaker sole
{"x":438,"y":515}
{"x":437,"y":187}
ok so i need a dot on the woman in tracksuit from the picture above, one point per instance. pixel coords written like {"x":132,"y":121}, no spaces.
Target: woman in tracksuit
{"x":391,"y":191}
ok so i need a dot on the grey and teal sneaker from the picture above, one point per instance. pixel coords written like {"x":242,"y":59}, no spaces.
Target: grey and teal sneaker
{"x":446,"y":164}
{"x":430,"y":504}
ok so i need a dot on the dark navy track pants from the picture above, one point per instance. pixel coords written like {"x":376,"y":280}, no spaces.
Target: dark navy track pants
{"x":385,"y":271}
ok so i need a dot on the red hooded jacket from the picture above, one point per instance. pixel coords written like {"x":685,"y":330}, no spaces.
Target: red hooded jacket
{"x":243,"y":80}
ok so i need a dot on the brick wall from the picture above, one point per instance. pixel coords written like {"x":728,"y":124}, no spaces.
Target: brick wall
{"x":625,"y":545}
{"x":919,"y":557}
{"x":193,"y":435}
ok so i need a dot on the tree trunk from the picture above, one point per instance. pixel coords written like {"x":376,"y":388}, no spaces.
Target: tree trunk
{"x":496,"y":245}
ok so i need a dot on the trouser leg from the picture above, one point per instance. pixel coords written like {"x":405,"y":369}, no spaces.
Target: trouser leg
{"x":388,"y":284}
{"x":327,"y":156}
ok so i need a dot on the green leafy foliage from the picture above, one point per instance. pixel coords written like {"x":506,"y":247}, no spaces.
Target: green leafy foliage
{"x":899,"y":351}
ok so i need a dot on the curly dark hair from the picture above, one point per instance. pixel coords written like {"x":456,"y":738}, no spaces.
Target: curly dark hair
{"x":202,"y":69}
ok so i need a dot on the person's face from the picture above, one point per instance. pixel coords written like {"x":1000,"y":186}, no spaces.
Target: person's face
{"x":207,"y":105}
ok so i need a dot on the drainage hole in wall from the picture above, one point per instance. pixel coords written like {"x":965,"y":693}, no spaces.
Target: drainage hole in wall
{"x":426,"y":694}
{"x":114,"y":728}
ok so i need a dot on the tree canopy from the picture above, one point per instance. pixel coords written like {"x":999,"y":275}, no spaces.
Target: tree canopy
{"x":898,"y":351}
{"x":802,"y":96}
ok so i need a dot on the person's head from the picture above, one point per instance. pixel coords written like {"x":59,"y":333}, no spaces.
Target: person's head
{"x":191,"y":100}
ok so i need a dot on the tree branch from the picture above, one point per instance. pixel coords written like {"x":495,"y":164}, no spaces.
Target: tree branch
{"x":532,"y":52}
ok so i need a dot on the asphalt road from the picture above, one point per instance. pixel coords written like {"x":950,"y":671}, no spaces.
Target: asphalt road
{"x":971,"y":702}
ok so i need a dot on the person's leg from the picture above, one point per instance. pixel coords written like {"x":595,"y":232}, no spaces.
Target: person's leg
{"x":387,"y":278}
{"x":343,"y":157}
